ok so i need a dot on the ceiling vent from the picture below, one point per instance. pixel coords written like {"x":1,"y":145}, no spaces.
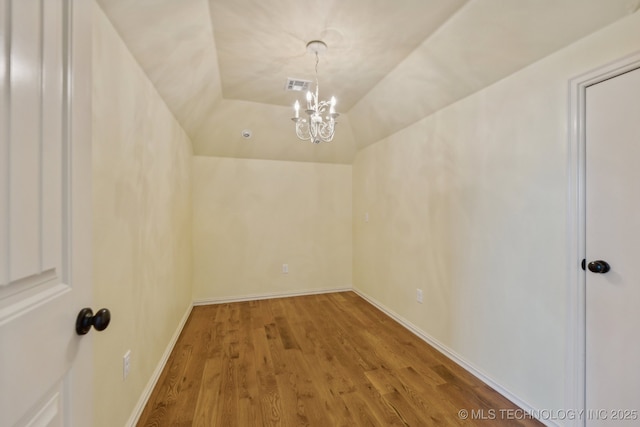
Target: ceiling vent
{"x":297,"y":85}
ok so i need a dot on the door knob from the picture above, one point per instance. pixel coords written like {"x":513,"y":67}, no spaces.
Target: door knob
{"x":86,"y":319}
{"x":598,"y":266}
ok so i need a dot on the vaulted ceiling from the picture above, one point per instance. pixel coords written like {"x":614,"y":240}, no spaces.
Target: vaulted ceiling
{"x":221,"y":65}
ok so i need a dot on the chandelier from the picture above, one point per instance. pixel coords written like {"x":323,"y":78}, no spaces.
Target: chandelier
{"x":316,"y":128}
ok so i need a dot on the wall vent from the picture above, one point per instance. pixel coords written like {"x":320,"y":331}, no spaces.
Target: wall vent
{"x":297,"y":85}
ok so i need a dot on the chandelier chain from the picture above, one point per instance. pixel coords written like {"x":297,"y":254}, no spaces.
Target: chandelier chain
{"x":317,"y":61}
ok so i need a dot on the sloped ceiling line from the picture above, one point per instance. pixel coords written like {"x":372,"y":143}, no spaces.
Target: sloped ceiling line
{"x":221,"y":65}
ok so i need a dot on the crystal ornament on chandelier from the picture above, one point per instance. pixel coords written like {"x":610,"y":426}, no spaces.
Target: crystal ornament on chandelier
{"x":316,"y":128}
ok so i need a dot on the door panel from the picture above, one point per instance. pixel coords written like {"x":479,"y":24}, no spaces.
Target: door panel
{"x":613,"y":235}
{"x":44,"y":153}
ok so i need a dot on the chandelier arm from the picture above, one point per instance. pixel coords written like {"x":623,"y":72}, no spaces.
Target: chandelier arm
{"x":302,"y":131}
{"x":327,"y":131}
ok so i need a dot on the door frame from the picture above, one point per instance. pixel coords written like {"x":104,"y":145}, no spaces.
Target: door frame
{"x":576,"y":314}
{"x":79,"y":103}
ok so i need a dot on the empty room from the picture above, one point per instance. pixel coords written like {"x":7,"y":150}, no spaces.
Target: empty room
{"x":319,"y":213}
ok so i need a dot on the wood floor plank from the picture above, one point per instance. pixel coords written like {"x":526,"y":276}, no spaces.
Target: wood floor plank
{"x":204,"y":414}
{"x":360,"y":410}
{"x":435,"y":407}
{"x":247,"y":380}
{"x":227,"y":403}
{"x":317,"y":360}
{"x":183,"y":375}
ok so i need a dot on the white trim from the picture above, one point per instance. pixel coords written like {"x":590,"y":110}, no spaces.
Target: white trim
{"x":23,"y":306}
{"x":146,"y":393}
{"x":575,"y":360}
{"x":151,"y":384}
{"x":49,"y":411}
{"x":269,"y":295}
{"x":455,"y":357}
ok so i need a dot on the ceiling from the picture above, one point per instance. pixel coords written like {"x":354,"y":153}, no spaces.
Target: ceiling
{"x":221,"y":65}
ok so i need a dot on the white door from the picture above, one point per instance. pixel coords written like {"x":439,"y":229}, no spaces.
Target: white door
{"x":45,"y":212}
{"x":613,"y":235}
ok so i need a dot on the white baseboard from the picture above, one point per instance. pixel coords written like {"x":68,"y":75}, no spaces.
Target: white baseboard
{"x":454,"y":357}
{"x":401,"y":320}
{"x":146,"y":393}
{"x":269,"y":295}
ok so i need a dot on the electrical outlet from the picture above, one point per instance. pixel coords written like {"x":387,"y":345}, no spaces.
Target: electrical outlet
{"x":126,"y":364}
{"x":419,"y":295}
{"x":285,"y":268}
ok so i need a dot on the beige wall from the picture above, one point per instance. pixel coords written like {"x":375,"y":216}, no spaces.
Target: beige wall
{"x":470,"y":205}
{"x":142,"y":224}
{"x":252,"y":216}
{"x":274,"y":135}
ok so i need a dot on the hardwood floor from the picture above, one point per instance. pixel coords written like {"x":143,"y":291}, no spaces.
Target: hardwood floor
{"x":321,"y":360}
